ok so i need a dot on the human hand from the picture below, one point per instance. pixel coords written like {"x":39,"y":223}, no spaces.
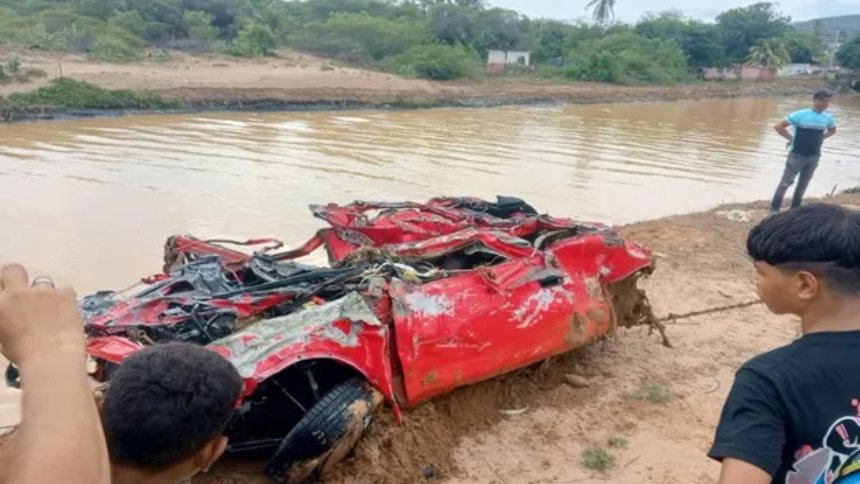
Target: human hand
{"x":38,"y":320}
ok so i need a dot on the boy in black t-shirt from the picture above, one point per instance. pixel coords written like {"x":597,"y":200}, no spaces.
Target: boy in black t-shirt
{"x":793,"y":414}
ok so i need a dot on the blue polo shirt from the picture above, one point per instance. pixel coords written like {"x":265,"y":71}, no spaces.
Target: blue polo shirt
{"x":809,"y":129}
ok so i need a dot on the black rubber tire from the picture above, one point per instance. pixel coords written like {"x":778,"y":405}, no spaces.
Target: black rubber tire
{"x":326,"y":434}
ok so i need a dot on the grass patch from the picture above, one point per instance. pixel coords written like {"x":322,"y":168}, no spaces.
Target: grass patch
{"x":617,"y":442}
{"x":69,"y":93}
{"x":658,"y":394}
{"x":64,"y":92}
{"x":597,"y":459}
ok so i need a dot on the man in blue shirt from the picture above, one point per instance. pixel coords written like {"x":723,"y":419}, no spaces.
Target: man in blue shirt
{"x":811,"y":128}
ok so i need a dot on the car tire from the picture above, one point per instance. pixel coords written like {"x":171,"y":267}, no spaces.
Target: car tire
{"x":326,"y":434}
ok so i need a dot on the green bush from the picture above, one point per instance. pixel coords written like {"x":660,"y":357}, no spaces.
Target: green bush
{"x":849,"y":54}
{"x":255,"y":40}
{"x":361,"y":37}
{"x":66,"y":92}
{"x":597,"y":459}
{"x":629,"y":58}
{"x":56,"y":18}
{"x":595,"y":66}
{"x":115,"y":43}
{"x":200,"y":26}
{"x":129,"y":21}
{"x":435,"y":61}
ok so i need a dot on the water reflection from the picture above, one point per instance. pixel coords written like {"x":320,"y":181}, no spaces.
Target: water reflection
{"x":93,"y":200}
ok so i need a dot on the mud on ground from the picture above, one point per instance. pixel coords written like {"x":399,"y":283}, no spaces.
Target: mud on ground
{"x":652,"y":409}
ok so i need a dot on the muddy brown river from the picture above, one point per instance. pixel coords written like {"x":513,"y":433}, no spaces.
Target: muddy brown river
{"x":91,"y":201}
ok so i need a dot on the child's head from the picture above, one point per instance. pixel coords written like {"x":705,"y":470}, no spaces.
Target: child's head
{"x":167,"y":407}
{"x":807,"y":256}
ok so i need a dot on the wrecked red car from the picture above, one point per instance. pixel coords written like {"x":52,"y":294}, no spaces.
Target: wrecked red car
{"x":418,"y":299}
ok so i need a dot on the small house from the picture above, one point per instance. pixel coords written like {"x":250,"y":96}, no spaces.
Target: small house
{"x":499,"y":61}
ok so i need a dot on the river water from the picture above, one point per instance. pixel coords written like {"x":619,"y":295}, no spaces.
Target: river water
{"x":91,"y":201}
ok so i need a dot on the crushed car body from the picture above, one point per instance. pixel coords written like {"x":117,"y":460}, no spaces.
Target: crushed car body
{"x":418,"y":299}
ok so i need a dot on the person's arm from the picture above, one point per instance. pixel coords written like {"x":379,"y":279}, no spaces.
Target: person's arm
{"x":735,"y":471}
{"x":830,"y":132}
{"x":751,"y":435}
{"x":60,"y":438}
{"x":782,"y":128}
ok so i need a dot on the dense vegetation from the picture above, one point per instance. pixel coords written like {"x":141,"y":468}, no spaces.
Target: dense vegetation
{"x":849,"y":54}
{"x":437,"y":39}
{"x":69,"y":93}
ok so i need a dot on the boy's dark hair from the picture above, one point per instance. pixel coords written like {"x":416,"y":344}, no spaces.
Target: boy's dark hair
{"x":819,"y":238}
{"x":165,"y":402}
{"x":822,"y":95}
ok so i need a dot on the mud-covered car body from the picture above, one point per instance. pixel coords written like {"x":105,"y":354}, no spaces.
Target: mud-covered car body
{"x":419,"y":299}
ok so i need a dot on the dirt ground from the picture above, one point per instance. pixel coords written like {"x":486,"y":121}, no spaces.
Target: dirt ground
{"x":652,"y":408}
{"x":293,"y":78}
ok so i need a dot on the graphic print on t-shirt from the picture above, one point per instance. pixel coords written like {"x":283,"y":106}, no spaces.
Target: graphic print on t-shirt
{"x":837,"y":461}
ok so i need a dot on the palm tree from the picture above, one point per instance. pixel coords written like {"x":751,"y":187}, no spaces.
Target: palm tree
{"x":603,"y":10}
{"x":770,"y":53}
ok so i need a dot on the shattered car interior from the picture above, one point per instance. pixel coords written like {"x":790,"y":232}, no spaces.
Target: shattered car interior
{"x":417,"y":300}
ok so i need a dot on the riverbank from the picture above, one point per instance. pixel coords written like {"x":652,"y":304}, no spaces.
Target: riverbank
{"x":648,"y":411}
{"x":294,"y":81}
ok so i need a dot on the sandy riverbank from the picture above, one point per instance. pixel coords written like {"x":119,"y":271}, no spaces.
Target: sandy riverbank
{"x":299,"y":81}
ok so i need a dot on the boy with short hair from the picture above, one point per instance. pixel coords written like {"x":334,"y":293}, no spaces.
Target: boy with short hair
{"x":165,"y":412}
{"x":793,"y":414}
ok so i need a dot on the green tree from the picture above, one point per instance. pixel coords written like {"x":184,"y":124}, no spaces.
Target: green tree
{"x":361,"y":37}
{"x":742,"y":28}
{"x":475,"y":4}
{"x":699,"y":41}
{"x":626,"y":57}
{"x":849,"y":54}
{"x":225,"y":14}
{"x":548,"y":38}
{"x":255,"y":40}
{"x":101,"y":9}
{"x":130,"y":21}
{"x":452,"y":24}
{"x":603,"y":11}
{"x":200,"y":26}
{"x":771,"y":53}
{"x":499,"y":29}
{"x":117,"y":44}
{"x":803,"y":47}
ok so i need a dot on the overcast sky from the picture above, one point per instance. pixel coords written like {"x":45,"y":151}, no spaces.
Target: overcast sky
{"x":629,"y":10}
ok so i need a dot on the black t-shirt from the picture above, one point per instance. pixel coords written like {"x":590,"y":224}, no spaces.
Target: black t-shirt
{"x":795,"y":411}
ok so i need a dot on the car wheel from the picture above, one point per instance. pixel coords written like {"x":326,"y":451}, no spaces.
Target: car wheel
{"x":326,"y":434}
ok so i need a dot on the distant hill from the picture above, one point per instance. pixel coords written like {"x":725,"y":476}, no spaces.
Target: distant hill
{"x":849,"y":24}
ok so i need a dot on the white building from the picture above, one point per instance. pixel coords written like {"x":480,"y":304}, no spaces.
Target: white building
{"x":499,"y":60}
